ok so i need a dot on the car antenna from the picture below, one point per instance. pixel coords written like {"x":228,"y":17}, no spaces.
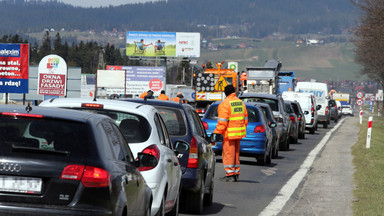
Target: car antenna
{"x":28,"y":108}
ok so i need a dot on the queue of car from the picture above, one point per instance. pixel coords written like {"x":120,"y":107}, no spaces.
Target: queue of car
{"x":144,"y":157}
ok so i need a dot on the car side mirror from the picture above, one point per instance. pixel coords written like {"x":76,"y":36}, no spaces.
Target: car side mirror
{"x":318,"y":107}
{"x":306,"y":112}
{"x":272,"y":124}
{"x":216,"y":138}
{"x":146,"y":160}
{"x":327,"y":97}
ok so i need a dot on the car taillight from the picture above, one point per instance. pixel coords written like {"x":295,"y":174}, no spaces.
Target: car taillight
{"x":299,"y":118}
{"x":292,"y":118}
{"x":152,"y":150}
{"x":312,"y":120}
{"x":326,"y":110}
{"x":193,"y":154}
{"x":21,"y":115}
{"x":201,"y":111}
{"x":259,"y":129}
{"x":89,"y":176}
{"x":205,"y":125}
{"x":96,"y":177}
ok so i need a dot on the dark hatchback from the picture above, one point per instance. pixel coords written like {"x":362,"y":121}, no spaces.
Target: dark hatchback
{"x":300,"y":118}
{"x":198,"y":161}
{"x":66,"y":162}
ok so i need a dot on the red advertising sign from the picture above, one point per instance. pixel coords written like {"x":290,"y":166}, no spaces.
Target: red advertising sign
{"x":14,"y":68}
{"x":52,"y":76}
{"x":51,"y":84}
{"x":155,"y":85}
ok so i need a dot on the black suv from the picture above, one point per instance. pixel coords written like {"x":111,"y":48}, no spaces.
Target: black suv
{"x":198,"y":161}
{"x":66,"y":162}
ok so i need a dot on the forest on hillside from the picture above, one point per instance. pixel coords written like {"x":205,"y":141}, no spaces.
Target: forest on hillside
{"x":212,"y":18}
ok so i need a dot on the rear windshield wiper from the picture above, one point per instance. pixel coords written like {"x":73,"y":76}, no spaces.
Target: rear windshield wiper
{"x":38,"y":150}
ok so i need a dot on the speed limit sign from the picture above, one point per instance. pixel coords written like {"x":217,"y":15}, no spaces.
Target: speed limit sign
{"x":359,"y":102}
{"x":359,"y":94}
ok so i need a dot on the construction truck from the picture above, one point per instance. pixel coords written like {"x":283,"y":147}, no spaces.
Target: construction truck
{"x":264,"y":79}
{"x":210,"y":83}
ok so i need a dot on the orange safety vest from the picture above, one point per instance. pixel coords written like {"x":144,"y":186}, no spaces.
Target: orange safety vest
{"x":143,"y":94}
{"x":163,"y":97}
{"x":232,"y":118}
{"x":177,"y":99}
{"x":243,"y":76}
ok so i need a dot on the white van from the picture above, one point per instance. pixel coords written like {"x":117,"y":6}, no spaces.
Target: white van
{"x":308,"y":105}
{"x":320,"y":91}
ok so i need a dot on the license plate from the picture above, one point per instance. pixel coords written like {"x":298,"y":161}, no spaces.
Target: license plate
{"x":18,"y":184}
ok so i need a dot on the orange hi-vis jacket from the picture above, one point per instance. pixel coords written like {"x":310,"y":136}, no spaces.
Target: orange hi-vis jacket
{"x":232,"y":118}
{"x":163,"y":97}
{"x":143,"y":94}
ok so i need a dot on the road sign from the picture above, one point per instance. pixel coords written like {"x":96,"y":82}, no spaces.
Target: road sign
{"x":220,"y":84}
{"x":359,"y":94}
{"x":359,"y":102}
{"x":372,"y":98}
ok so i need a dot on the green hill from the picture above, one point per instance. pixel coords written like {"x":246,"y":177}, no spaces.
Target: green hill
{"x":334,"y":61}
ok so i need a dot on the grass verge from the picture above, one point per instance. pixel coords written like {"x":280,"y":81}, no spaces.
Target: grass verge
{"x":369,"y":169}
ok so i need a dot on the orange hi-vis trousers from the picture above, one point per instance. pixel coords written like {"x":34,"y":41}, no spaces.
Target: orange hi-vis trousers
{"x":230,"y":155}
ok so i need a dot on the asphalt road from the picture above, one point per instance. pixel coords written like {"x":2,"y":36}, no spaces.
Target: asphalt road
{"x":259,"y":185}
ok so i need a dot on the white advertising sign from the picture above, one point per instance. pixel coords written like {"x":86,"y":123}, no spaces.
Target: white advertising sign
{"x":52,"y":78}
{"x":110,"y":79}
{"x":188,"y":44}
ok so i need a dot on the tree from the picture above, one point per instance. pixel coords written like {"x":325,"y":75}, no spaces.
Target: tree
{"x":369,"y":39}
{"x":46,"y":46}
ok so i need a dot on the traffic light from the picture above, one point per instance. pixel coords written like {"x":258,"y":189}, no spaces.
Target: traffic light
{"x":194,"y":80}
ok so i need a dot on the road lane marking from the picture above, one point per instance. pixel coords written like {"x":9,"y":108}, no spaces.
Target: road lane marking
{"x":278,"y":203}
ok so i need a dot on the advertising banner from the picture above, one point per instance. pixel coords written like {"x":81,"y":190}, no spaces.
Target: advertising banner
{"x":171,"y":44}
{"x":14,"y":68}
{"x":52,"y":78}
{"x":140,"y":79}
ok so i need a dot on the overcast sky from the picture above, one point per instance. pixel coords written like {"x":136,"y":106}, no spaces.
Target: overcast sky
{"x":103,"y":3}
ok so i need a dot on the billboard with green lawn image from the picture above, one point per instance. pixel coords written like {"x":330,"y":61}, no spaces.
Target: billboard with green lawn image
{"x":170,"y":44}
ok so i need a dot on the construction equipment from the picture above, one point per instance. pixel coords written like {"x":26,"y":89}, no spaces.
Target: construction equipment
{"x":209,"y":85}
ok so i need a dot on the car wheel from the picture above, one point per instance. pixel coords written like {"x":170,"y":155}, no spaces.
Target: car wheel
{"x":312,"y":130}
{"x":325,"y":125}
{"x":175,"y":209}
{"x":303,"y":135}
{"x":269,"y":157}
{"x":208,"y":198}
{"x":261,"y":160}
{"x":336,"y":120}
{"x":161,"y":211}
{"x":148,"y":211}
{"x":285,"y":145}
{"x":195,"y":200}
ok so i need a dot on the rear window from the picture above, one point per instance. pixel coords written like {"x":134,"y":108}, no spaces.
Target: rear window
{"x":253,"y":114}
{"x":135,"y":128}
{"x":274,"y":104}
{"x":43,"y":136}
{"x":295,"y":108}
{"x":174,"y":120}
{"x":289,"y":108}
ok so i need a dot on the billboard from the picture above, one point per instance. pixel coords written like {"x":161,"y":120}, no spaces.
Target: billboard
{"x":52,"y":78}
{"x":170,"y":44}
{"x":14,"y":68}
{"x":139,"y":79}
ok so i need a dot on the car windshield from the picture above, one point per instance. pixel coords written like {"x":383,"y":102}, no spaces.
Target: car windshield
{"x":43,"y":136}
{"x":272,"y":103}
{"x":174,"y":120}
{"x":135,"y":128}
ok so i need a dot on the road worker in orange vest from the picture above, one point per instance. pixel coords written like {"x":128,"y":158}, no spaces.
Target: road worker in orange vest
{"x":243,"y":78}
{"x":232,"y":123}
{"x":162,"y":96}
{"x":178,"y":97}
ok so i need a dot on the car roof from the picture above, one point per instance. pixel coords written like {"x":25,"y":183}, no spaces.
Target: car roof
{"x":67,"y":114}
{"x":155,"y":102}
{"x":270,"y":96}
{"x":116,"y":105}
